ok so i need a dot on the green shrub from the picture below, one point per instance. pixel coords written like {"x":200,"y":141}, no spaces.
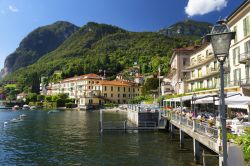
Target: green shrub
{"x":39,"y":104}
{"x":71,"y":105}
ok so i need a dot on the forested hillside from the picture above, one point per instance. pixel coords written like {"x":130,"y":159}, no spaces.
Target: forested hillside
{"x":101,"y":46}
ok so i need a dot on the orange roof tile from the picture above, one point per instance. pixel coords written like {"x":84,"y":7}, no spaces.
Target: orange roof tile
{"x":116,"y":83}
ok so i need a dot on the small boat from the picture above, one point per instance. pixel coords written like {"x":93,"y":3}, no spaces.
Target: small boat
{"x":15,"y":108}
{"x":26,"y":107}
{"x":53,"y":111}
{"x":5,"y":123}
{"x":33,"y":107}
{"x":15,"y":120}
{"x":23,"y":116}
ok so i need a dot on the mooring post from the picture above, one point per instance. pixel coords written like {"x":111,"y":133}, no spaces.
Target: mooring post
{"x":125,"y":125}
{"x":196,"y":150}
{"x":181,"y":139}
{"x":172,"y":130}
{"x":203,"y":158}
{"x":167,"y":125}
{"x":100,"y":123}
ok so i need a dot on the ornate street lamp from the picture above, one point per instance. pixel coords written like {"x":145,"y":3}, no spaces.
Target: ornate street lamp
{"x":220,"y":38}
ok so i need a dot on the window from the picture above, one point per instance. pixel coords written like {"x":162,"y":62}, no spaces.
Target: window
{"x":236,"y":36}
{"x":246,"y":26}
{"x":184,"y":61}
{"x":111,"y":88}
{"x":193,"y":74}
{"x":247,"y":46}
{"x":118,"y":101}
{"x":236,"y":55}
{"x":247,"y":69}
{"x":105,"y":94}
{"x":199,"y":72}
{"x":124,"y":95}
{"x":118,"y":95}
{"x":193,"y":61}
{"x":192,"y":86}
{"x":237,"y":76}
{"x":105,"y":88}
{"x":118,"y":89}
{"x":124,"y":89}
{"x":199,"y":58}
{"x":129,"y":89}
{"x":201,"y":84}
{"x":111,"y":95}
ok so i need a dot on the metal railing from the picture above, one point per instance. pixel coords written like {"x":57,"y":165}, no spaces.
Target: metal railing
{"x":244,"y":57}
{"x":203,"y":129}
{"x":199,"y":127}
{"x":147,"y":124}
{"x":114,"y":125}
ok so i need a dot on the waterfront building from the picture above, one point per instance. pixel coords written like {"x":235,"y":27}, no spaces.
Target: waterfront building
{"x":166,"y":88}
{"x":180,"y":59}
{"x":92,"y":89}
{"x":204,"y":70}
{"x":239,"y":55}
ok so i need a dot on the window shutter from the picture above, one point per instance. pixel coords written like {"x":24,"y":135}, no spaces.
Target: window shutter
{"x":239,"y":74}
{"x":235,"y":78}
{"x":238,"y":54}
{"x":234,"y":56}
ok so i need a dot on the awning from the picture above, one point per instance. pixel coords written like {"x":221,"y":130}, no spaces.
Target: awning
{"x":237,"y":100}
{"x":207,"y":100}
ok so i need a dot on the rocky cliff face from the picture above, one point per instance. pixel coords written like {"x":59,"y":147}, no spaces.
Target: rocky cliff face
{"x":190,"y":28}
{"x":38,"y":43}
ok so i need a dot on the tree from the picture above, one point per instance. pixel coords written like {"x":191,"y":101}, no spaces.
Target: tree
{"x":31,"y":97}
{"x":150,"y":84}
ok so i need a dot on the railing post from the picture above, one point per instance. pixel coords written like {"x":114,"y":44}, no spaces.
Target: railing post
{"x":125,"y":125}
{"x":100,"y":123}
{"x":194,"y":129}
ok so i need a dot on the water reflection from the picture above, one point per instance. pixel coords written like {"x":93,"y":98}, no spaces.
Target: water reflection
{"x":72,"y":138}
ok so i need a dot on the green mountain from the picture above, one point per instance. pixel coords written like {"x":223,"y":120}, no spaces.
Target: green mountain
{"x":38,"y":43}
{"x":187,"y":28}
{"x":101,"y":46}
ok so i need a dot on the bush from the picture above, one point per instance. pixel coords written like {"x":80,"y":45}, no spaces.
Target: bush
{"x":48,"y":98}
{"x":71,"y":105}
{"x":31,"y":97}
{"x":39,"y":104}
{"x":40,"y":97}
{"x":60,"y":103}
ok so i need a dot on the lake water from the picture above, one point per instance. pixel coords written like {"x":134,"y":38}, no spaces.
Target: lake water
{"x":72,"y":138}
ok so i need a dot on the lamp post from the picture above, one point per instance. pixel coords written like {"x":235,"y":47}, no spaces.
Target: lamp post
{"x":220,"y":38}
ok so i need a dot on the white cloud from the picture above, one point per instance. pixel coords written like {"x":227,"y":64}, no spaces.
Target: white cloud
{"x":201,"y":7}
{"x":13,"y":8}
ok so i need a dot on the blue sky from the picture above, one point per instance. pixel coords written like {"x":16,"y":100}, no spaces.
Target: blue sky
{"x":19,"y":17}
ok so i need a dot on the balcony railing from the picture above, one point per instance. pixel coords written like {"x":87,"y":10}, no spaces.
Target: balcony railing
{"x":245,"y":57}
{"x":201,"y":62}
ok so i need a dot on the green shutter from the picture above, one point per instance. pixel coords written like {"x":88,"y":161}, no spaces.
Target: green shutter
{"x":238,"y":54}
{"x":234,"y":56}
{"x":239,"y":74}
{"x":246,"y":26}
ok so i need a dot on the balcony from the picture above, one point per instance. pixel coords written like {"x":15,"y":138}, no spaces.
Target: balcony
{"x":245,"y":82}
{"x":201,"y":62}
{"x":245,"y":57}
{"x":210,"y":72}
{"x":90,"y":94}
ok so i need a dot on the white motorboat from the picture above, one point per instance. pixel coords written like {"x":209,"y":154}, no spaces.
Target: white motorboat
{"x":26,"y":107}
{"x":15,"y":120}
{"x":15,"y":108}
{"x":23,"y":116}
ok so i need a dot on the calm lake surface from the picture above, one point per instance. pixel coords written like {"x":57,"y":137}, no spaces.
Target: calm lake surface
{"x":72,"y":138}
